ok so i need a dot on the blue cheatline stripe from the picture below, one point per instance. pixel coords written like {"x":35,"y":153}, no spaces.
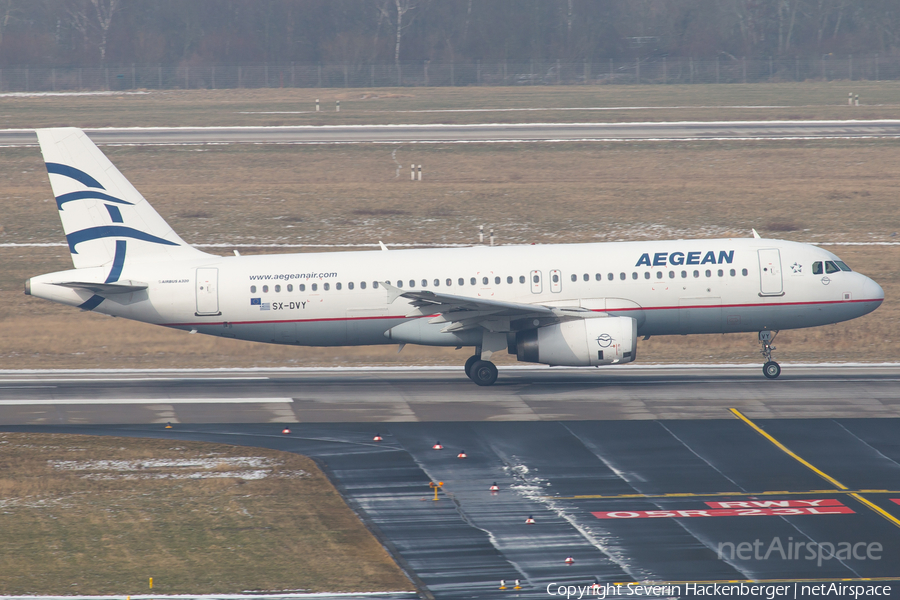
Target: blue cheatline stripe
{"x":60,"y":200}
{"x":118,"y":262}
{"x":92,"y":302}
{"x":106,"y":231}
{"x":73,"y":173}
{"x":114,"y":213}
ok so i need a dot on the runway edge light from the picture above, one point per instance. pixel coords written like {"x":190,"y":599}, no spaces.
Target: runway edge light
{"x":377,"y":438}
{"x":570,"y":561}
{"x":495,"y":487}
{"x":530,"y":521}
{"x":437,"y":446}
{"x":462,"y":454}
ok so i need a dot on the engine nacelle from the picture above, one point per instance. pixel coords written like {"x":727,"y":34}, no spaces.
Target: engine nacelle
{"x":583,"y":343}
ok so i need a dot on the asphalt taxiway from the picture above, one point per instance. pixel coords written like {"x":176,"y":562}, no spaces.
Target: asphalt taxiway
{"x":445,"y":394}
{"x":486,"y":132}
{"x":705,"y":495}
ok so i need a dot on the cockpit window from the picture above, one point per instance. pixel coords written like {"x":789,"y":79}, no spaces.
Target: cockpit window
{"x":817,"y":268}
{"x":842,"y":265}
{"x":830,"y":267}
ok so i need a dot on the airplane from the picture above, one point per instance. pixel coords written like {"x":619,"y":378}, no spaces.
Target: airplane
{"x":559,"y":304}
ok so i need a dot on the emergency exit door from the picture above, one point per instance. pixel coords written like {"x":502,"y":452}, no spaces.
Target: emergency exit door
{"x":770,"y":281}
{"x":207,"y":292}
{"x":537,"y":285}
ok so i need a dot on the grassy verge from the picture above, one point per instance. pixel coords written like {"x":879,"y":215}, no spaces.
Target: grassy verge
{"x":596,"y":103}
{"x":841,"y":191}
{"x":100,"y":515}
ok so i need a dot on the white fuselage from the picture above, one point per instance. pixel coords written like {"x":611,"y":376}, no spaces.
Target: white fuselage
{"x":334,"y":299}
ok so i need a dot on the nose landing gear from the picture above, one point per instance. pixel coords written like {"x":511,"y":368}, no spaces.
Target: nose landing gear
{"x":771,"y":369}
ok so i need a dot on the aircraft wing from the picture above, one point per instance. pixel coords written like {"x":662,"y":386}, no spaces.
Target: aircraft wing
{"x":465,"y":312}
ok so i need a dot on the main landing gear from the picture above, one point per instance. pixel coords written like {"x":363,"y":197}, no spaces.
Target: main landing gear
{"x":771,"y":369}
{"x":482,"y":372}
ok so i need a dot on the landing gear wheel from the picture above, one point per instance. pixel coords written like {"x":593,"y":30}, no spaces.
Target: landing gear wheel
{"x":472,"y":360}
{"x":483,"y":373}
{"x":771,"y":369}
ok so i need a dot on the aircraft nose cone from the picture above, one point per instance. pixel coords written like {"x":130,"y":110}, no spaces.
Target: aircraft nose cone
{"x":873,"y":290}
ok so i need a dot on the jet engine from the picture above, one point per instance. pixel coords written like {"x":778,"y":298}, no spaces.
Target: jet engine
{"x":581,"y":343}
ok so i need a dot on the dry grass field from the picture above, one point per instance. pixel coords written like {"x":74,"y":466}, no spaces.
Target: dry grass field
{"x":101,"y":515}
{"x":822,"y":192}
{"x":593,"y":103}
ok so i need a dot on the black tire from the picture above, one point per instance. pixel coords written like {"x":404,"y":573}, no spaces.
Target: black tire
{"x":471,"y":361}
{"x":771,"y":369}
{"x":484,"y":373}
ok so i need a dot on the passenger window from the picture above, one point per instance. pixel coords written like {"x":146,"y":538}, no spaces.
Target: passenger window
{"x":290,"y":287}
{"x":830,"y":267}
{"x":302,"y":287}
{"x":437,"y":282}
{"x":315,"y":287}
{"x":671,"y":274}
{"x":265,"y":289}
{"x":721,"y":273}
{"x":412,"y":283}
{"x":646,"y":274}
{"x":842,"y":265}
{"x":461,"y":281}
{"x":484,"y":280}
{"x":574,"y":278}
{"x":496,"y":281}
{"x":817,"y":268}
{"x":277,"y":288}
{"x":362,"y":285}
{"x":521,"y":279}
{"x":399,"y":284}
{"x":536,"y":279}
{"x":634,"y":275}
{"x":472,"y":280}
{"x":449,"y":282}
{"x":745,"y":272}
{"x":424,"y":283}
{"x":733,"y":272}
{"x":610,"y":276}
{"x":509,"y":279}
{"x":598,"y":277}
{"x":586,"y":277}
{"x":683,"y":274}
{"x":622,"y":276}
{"x":326,"y":287}
{"x":659,"y":274}
{"x":337,"y":286}
{"x":374,"y":285}
{"x":252,"y":289}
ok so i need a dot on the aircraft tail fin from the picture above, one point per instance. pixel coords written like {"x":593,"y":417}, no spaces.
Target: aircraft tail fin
{"x":105,"y":219}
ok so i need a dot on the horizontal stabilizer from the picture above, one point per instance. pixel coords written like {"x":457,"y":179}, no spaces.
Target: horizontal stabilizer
{"x":106,"y":289}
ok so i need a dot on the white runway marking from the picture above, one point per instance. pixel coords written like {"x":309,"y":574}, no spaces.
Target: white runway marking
{"x":52,"y":401}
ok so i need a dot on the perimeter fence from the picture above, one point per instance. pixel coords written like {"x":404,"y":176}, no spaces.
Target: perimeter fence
{"x":425,"y":73}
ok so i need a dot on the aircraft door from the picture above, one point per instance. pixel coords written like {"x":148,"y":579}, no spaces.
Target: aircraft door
{"x":770,"y":281}
{"x":555,"y":281}
{"x":207,"y":292}
{"x":537,"y":285}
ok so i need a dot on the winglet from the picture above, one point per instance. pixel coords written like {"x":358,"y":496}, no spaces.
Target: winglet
{"x":383,"y":247}
{"x":393,"y":292}
{"x":755,"y":235}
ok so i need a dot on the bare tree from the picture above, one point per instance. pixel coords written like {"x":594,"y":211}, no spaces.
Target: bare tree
{"x":402,"y":7}
{"x":105,"y":11}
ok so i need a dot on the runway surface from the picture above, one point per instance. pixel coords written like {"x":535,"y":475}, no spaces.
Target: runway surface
{"x":514,"y":132}
{"x":394,"y":395}
{"x":638,"y":474}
